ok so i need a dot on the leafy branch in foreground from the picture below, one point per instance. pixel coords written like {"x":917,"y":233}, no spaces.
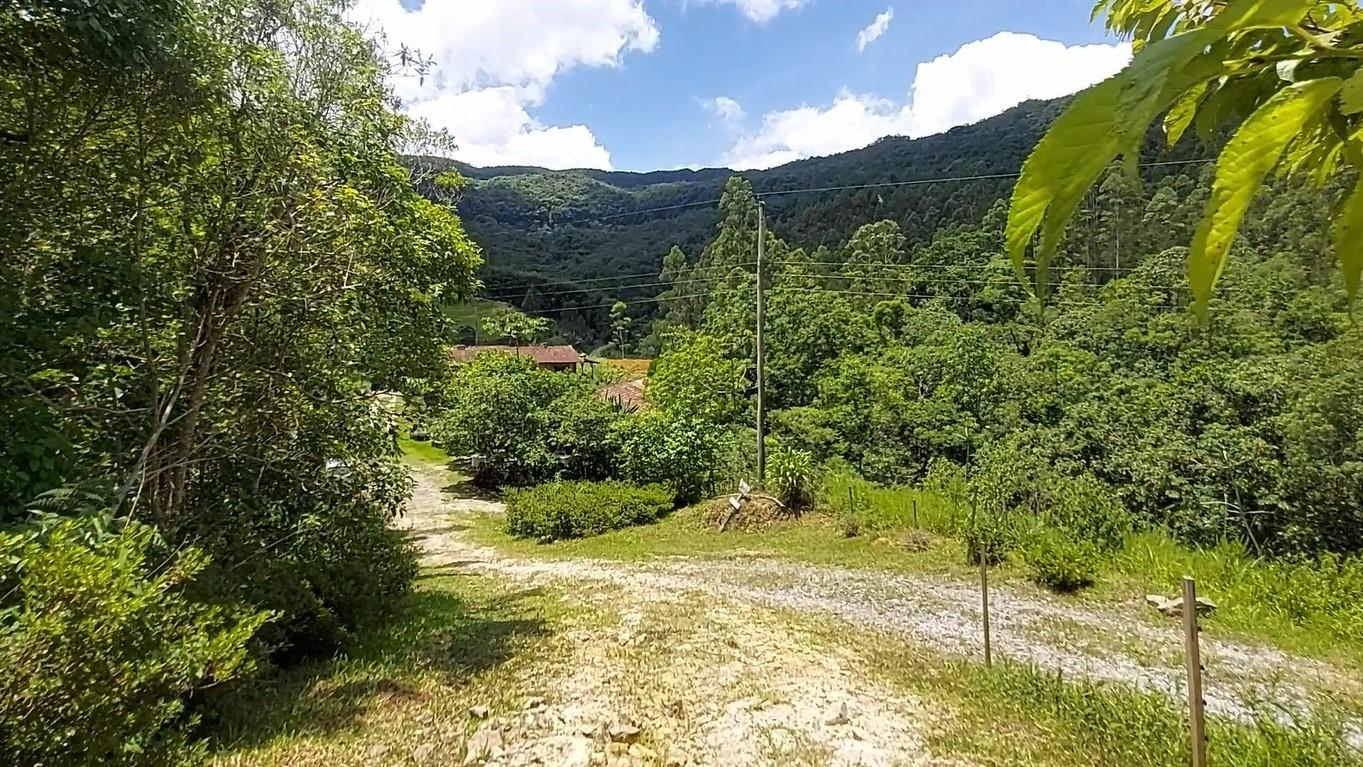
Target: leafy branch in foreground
{"x":1289,"y":72}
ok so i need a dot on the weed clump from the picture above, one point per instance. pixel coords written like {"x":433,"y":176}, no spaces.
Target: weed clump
{"x":1060,"y":561}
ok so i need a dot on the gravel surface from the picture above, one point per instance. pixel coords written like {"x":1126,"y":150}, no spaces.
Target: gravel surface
{"x":1116,"y":643}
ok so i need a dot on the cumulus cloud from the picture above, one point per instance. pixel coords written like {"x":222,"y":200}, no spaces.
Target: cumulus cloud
{"x":729,"y":111}
{"x":760,"y":11}
{"x":493,"y":60}
{"x":874,"y":30}
{"x":979,"y":80}
{"x":852,"y":120}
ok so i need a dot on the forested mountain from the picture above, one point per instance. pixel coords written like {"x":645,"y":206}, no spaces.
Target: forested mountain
{"x":545,"y":232}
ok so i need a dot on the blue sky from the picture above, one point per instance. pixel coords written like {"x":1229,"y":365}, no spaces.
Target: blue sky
{"x":647,"y":84}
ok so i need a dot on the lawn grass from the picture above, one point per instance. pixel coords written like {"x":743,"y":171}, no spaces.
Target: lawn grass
{"x":631,"y":367}
{"x":457,"y":641}
{"x":814,"y":539}
{"x":424,"y":453}
{"x":1256,"y":601}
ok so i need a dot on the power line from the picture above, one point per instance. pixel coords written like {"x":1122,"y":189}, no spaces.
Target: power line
{"x":847,"y":188}
{"x":950,"y":266}
{"x":1053,"y":301}
{"x":654,"y":273}
{"x":619,"y":288}
{"x":655,"y":299}
{"x":946,"y":180}
{"x":611,"y":216}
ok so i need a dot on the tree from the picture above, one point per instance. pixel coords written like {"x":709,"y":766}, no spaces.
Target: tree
{"x":1288,"y":72}
{"x":520,"y":328}
{"x":620,"y":325}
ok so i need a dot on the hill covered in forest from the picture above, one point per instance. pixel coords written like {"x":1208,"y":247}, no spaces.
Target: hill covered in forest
{"x":552,"y":239}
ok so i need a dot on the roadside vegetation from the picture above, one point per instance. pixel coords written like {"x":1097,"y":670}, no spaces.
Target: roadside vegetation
{"x":214,"y":260}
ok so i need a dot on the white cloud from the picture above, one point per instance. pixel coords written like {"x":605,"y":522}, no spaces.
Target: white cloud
{"x":979,"y":80}
{"x":874,"y":30}
{"x":760,"y":11}
{"x":726,"y":109}
{"x":493,"y":127}
{"x":495,"y":59}
{"x":853,"y":120}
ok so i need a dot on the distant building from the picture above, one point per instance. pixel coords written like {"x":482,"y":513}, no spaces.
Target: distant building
{"x":627,"y":395}
{"x":560,"y":358}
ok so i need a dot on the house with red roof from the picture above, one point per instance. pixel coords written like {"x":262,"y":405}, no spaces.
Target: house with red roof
{"x":560,"y":358}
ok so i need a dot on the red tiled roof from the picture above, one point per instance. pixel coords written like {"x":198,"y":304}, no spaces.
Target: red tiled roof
{"x":629,"y":394}
{"x":543,"y":355}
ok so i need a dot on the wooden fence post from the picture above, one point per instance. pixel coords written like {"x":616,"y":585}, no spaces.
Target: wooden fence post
{"x":1197,"y":724}
{"x":915,"y":513}
{"x":984,"y":608}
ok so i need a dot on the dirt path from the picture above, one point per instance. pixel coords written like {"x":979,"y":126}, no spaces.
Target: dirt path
{"x":715,"y":600}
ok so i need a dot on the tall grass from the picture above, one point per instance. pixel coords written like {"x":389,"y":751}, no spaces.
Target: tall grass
{"x":1313,"y":606}
{"x":870,"y":508}
{"x":1018,"y":714}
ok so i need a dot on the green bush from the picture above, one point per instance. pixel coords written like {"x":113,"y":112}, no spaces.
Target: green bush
{"x":498,"y":407}
{"x":989,"y":536}
{"x":1061,"y":561}
{"x":1088,"y":509}
{"x":791,"y":474}
{"x":101,"y":646}
{"x":560,"y":510}
{"x":681,"y":453}
{"x":581,"y":423}
{"x":326,"y":564}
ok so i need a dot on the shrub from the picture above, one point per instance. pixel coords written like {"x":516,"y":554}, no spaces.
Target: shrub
{"x":989,"y":536}
{"x":498,"y":408}
{"x":791,"y":474}
{"x":560,"y":510}
{"x":1061,"y":561}
{"x":101,"y":646}
{"x":1087,"y":508}
{"x":681,"y":453}
{"x":325,"y":564}
{"x":581,"y":423}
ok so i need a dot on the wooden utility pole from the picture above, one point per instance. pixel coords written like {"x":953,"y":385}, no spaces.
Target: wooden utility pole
{"x":761,"y":357}
{"x":1197,"y":723}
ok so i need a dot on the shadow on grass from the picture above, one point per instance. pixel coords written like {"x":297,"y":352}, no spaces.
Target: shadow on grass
{"x":435,"y":633}
{"x":463,"y":487}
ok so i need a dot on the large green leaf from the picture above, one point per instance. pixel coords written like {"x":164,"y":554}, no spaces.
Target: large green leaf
{"x":1349,"y":239}
{"x":1250,"y":14}
{"x":1180,"y":115}
{"x":1082,"y":137}
{"x":1351,"y":95}
{"x":1146,"y":87}
{"x":1251,"y":154}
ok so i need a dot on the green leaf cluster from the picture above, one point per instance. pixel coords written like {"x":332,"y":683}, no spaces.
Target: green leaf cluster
{"x":1287,"y":71}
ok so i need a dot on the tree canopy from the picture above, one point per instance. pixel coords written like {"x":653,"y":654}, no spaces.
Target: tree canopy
{"x":1289,"y":73}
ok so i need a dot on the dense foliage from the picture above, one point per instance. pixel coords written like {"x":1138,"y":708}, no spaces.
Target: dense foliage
{"x":1289,"y":73}
{"x":101,"y":645}
{"x":1109,"y":409}
{"x":213,"y":261}
{"x":528,"y":425}
{"x":562,"y":510}
{"x":554,"y":237}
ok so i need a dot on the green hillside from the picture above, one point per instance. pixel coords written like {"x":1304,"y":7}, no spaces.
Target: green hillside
{"x":553,"y":239}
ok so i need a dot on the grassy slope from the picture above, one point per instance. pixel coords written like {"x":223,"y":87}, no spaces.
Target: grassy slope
{"x":457,"y":641}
